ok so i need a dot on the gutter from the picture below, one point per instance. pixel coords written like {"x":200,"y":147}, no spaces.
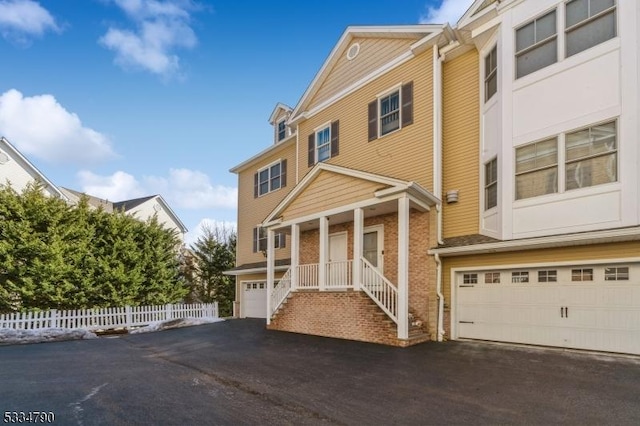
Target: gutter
{"x":437,"y":177}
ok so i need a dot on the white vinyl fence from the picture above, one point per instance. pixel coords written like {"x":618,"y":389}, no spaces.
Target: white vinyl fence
{"x":106,"y":318}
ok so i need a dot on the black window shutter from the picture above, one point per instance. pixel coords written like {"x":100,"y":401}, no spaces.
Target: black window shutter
{"x":373,"y":120}
{"x":283,"y":173}
{"x":335,"y":136}
{"x":255,"y":186}
{"x":407,"y":104}
{"x":255,"y":240}
{"x":312,"y":150}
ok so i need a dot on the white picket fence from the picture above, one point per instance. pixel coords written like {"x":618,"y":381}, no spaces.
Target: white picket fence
{"x":106,"y":318}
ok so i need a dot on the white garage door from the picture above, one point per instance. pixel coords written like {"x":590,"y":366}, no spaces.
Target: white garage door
{"x":254,"y":299}
{"x":595,"y":307}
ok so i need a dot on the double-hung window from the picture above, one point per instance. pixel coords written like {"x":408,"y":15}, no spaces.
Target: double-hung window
{"x":536,"y":44}
{"x":323,"y":144}
{"x":537,"y":169}
{"x":491,"y":73}
{"x":588,"y":23}
{"x":591,"y":156}
{"x":282,"y":130}
{"x":260,"y":240}
{"x":491,"y":184}
{"x":270,"y":178}
{"x":391,"y":111}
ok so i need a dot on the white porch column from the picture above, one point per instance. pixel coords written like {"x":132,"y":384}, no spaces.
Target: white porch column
{"x":270,"y":270}
{"x":324,"y":252}
{"x":295,"y":254}
{"x":403,"y":267}
{"x":358,"y":230}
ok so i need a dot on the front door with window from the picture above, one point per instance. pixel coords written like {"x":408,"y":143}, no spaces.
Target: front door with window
{"x":373,"y":246}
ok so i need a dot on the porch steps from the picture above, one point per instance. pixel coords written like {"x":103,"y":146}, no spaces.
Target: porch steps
{"x":370,"y":317}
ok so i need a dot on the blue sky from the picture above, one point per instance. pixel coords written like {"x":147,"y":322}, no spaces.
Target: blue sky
{"x":128,"y":98}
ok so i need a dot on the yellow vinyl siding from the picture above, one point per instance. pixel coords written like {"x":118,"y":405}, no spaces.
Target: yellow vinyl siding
{"x":404,"y":154}
{"x":330,"y":190}
{"x":576,"y":254}
{"x":460,"y":150}
{"x":252,"y":211}
{"x":373,"y":54}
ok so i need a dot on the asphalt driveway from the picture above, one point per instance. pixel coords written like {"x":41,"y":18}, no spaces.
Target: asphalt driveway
{"x":236,"y":372}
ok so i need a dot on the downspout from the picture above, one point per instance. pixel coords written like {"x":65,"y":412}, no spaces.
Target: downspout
{"x":437,"y":177}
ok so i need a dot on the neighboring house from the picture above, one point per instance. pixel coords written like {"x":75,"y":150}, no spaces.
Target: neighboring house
{"x":142,"y":208}
{"x":18,"y":172}
{"x":472,"y":182}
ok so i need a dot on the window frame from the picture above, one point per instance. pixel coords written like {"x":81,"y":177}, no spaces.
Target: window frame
{"x":260,"y":238}
{"x":470,"y":278}
{"x":555,"y":166}
{"x":488,"y":184}
{"x":536,"y":43}
{"x":614,"y":273}
{"x":387,"y":95}
{"x":493,"y":73}
{"x":519,"y":277}
{"x":581,"y":275}
{"x":568,"y":29}
{"x":325,"y":128}
{"x":492,"y":277}
{"x":270,"y":178}
{"x":550,"y":276}
{"x":281,"y":134}
{"x":613,"y":152}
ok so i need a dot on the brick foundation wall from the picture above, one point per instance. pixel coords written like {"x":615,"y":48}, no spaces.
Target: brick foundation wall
{"x":344,"y":315}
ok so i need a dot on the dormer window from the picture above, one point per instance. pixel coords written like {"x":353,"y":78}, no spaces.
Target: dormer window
{"x":282,"y":130}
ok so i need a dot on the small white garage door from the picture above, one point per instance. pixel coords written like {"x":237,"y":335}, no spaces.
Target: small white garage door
{"x":595,"y":307}
{"x":254,"y":299}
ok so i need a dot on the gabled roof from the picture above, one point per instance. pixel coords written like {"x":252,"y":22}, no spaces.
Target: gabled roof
{"x":6,"y":145}
{"x":128,"y":205}
{"x":396,"y":185}
{"x":478,"y":7}
{"x":420,"y":32}
{"x":279,"y":107}
{"x":93,"y":201}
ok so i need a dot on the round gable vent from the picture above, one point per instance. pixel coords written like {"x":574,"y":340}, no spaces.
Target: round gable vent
{"x":353,"y":51}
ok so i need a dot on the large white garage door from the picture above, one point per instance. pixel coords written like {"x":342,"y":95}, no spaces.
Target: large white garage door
{"x":594,"y":307}
{"x":254,"y":299}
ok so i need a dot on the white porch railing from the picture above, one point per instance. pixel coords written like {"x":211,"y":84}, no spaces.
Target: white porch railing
{"x":380,"y":289}
{"x":281,"y":291}
{"x":308,"y":276}
{"x":339,"y":274}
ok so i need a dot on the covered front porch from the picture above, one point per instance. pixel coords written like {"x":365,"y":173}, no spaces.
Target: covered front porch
{"x":362,"y":246}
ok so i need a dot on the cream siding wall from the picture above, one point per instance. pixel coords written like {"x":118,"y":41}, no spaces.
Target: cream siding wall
{"x":565,"y":254}
{"x":373,"y":54}
{"x":330,"y":190}
{"x":252,"y":211}
{"x":147,"y":210}
{"x":19,"y":174}
{"x":461,"y":147}
{"x":405,"y":154}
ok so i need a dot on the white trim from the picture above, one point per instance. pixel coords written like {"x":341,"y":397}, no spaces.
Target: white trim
{"x":403,"y":267}
{"x":586,"y":238}
{"x":268,"y":167}
{"x":279,"y":107}
{"x":270,"y":271}
{"x":324,"y":252}
{"x":295,"y":254}
{"x":262,"y":270}
{"x":355,"y":47}
{"x":358,"y":245}
{"x":259,"y":156}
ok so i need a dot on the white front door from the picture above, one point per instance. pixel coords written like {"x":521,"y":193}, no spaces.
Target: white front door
{"x":373,"y":246}
{"x":338,"y":272}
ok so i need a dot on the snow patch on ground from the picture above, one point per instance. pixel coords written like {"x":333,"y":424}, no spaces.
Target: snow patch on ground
{"x":9,"y":336}
{"x":176,"y":323}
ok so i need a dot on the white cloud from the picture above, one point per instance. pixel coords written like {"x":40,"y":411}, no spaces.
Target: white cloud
{"x":449,"y":11}
{"x":21,"y":19}
{"x":183,"y":188}
{"x":40,"y":127}
{"x":161,"y":27}
{"x":117,"y":187}
{"x":224,"y":226}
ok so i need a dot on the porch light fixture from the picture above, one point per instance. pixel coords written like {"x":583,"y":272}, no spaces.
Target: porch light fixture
{"x":452,"y":196}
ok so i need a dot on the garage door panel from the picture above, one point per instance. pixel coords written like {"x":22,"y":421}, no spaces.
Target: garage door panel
{"x":597,"y":314}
